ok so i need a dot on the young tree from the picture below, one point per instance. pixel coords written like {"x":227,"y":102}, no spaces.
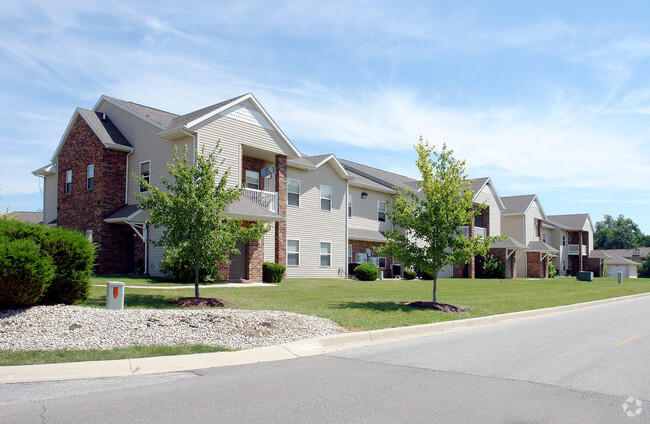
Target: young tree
{"x":191,"y":210}
{"x":430,"y":219}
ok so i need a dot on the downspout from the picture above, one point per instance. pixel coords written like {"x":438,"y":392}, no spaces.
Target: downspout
{"x":43,"y":194}
{"x":347,"y":240}
{"x":126,"y":192}
{"x":195,"y":144}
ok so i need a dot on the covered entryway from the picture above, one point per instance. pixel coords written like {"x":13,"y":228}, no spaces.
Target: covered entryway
{"x":239,"y":263}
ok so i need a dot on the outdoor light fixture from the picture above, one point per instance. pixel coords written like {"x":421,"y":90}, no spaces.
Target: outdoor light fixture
{"x":364,"y":194}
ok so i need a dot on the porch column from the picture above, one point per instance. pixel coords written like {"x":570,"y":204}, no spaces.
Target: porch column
{"x":471,"y":267}
{"x":580,"y":252}
{"x":281,"y":226}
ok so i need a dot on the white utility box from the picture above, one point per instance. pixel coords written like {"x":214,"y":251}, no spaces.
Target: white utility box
{"x":114,"y":295}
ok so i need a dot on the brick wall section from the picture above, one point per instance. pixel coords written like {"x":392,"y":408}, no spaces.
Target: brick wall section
{"x":593,"y":265}
{"x":281,"y":226}
{"x":511,"y":262}
{"x":251,"y":164}
{"x":360,"y":246}
{"x":255,"y":258}
{"x":84,"y":209}
{"x":536,"y":268}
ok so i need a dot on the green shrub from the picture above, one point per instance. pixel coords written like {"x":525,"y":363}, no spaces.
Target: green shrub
{"x":426,"y":275}
{"x":173,"y":266}
{"x":552,"y":271}
{"x":644,"y":269}
{"x":71,"y":254}
{"x":25,"y":273}
{"x":493,"y":267}
{"x":409,"y":275}
{"x":74,"y":258}
{"x":606,"y":271}
{"x":272,"y":273}
{"x":367,"y":271}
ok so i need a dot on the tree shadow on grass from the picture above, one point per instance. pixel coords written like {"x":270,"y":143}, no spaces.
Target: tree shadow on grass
{"x":377,"y":306}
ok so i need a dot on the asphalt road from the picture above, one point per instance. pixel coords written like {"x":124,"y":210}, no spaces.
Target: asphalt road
{"x":572,"y":367}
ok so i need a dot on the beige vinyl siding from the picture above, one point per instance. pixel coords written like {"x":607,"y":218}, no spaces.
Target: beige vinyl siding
{"x":235,"y":133}
{"x":513,"y":227}
{"x":532,"y":215}
{"x":364,"y":211}
{"x":587,"y":228}
{"x":487,"y":196}
{"x":147,"y":147}
{"x":269,"y":244}
{"x":49,"y":198}
{"x":312,"y":226}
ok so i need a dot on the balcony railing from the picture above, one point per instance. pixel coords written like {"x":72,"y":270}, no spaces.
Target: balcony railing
{"x":266,"y":199}
{"x":478,"y":231}
{"x":575,"y":249}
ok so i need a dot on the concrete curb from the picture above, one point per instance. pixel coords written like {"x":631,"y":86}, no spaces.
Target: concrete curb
{"x":301,"y":348}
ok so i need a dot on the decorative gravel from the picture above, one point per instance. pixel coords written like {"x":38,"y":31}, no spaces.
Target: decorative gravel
{"x":76,"y":327}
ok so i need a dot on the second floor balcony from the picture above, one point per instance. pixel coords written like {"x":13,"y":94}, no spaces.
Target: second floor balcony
{"x":266,"y":199}
{"x":478,"y":231}
{"x":576,"y":249}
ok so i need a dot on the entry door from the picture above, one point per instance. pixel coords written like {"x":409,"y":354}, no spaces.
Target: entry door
{"x":239,"y":263}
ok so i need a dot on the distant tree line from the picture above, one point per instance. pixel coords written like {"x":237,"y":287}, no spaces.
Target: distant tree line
{"x":619,"y":233}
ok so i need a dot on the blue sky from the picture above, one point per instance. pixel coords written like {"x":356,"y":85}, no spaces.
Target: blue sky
{"x":543,"y":97}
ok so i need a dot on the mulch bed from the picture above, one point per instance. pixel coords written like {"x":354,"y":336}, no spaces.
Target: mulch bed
{"x":200,"y":302}
{"x":444,"y":307}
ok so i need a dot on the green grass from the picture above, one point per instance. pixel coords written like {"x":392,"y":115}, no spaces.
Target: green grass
{"x":32,"y":357}
{"x":144,"y":281}
{"x":382,"y":304}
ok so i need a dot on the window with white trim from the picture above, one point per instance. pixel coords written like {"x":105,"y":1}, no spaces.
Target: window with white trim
{"x":90,"y":177}
{"x":325,"y":254}
{"x":293,"y":253}
{"x":293,"y":192}
{"x":253,"y":179}
{"x":349,"y":205}
{"x":563,"y":239}
{"x":349,"y":253}
{"x":325,"y":198}
{"x":381,"y":211}
{"x":68,"y":181}
{"x":145,"y":174}
{"x":563,"y":265}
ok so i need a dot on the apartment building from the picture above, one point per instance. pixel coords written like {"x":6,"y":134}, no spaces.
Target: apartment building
{"x":322,"y":212}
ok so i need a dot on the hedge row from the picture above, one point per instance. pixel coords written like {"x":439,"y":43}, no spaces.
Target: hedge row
{"x":43,"y":265}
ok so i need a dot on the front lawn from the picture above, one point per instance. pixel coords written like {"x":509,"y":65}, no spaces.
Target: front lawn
{"x":381,"y":304}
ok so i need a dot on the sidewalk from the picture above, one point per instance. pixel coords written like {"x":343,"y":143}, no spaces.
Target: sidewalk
{"x":298,"y":349}
{"x":205,"y":286}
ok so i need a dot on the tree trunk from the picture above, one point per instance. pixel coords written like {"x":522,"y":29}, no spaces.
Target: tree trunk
{"x":196,"y":279}
{"x":435,"y":287}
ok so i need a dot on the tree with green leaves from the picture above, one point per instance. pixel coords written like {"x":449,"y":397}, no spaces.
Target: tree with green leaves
{"x":191,"y":210}
{"x":618,"y":233}
{"x":428,"y":222}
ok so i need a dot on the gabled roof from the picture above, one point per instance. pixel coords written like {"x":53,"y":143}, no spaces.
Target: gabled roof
{"x":49,"y":169}
{"x":385,"y":178}
{"x":540,"y":246}
{"x":643,"y":252}
{"x":574,"y":222}
{"x":247,"y":210}
{"x":105,"y":130}
{"x":24,"y":216}
{"x":508,"y":243}
{"x":519,"y":205}
{"x":314,"y":162}
{"x":477,"y":184}
{"x":198,"y":114}
{"x":618,"y":260}
{"x":157,"y":117}
{"x":359,"y":180}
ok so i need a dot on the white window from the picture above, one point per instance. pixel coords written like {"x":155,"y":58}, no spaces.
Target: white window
{"x":90,"y":177}
{"x":382,"y":262}
{"x":293,"y":253}
{"x":145,"y":174}
{"x":349,"y":253}
{"x":68,"y":181}
{"x":325,"y":198}
{"x":293,"y":192}
{"x":89,"y":235}
{"x":544,"y":236}
{"x":563,"y":239}
{"x":325,"y":254}
{"x":381,"y":211}
{"x":563,"y":265}
{"x":349,"y":205}
{"x":253,"y":179}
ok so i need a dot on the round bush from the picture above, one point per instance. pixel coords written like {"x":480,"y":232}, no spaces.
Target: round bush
{"x":493,"y":267}
{"x":272,"y":273}
{"x":25,"y":273}
{"x":181,"y":270}
{"x":367,"y":271}
{"x":426,"y":275}
{"x":410,"y":275}
{"x":552,"y":271}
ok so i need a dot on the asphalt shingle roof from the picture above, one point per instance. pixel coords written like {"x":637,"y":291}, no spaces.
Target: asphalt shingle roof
{"x":159,"y":116}
{"x":517,"y":204}
{"x":385,"y":178}
{"x":189,"y":117}
{"x":570,"y":221}
{"x":104,"y":128}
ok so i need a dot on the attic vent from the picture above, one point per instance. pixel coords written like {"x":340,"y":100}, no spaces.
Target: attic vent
{"x":103,"y":116}
{"x":636,"y":252}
